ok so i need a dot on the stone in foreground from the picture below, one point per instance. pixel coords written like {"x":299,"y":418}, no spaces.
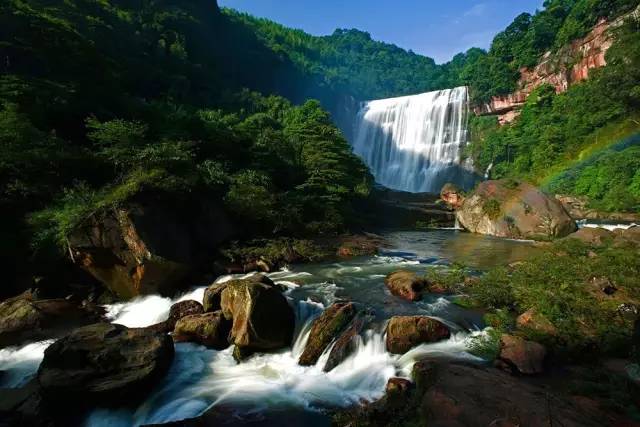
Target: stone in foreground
{"x":104,"y":364}
{"x":325,"y":329}
{"x":208,"y":329}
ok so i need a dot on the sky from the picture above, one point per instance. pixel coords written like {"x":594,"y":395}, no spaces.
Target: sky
{"x":435,"y":28}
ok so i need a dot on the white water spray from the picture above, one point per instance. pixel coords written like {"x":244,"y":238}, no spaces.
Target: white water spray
{"x":414,"y":143}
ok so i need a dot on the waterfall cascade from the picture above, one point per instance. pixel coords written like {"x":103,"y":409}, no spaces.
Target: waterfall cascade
{"x":414,"y":143}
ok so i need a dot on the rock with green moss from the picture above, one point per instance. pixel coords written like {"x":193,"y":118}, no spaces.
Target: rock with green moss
{"x":325,"y":329}
{"x":512,"y":209}
{"x":213,"y":294}
{"x":262,"y":318}
{"x":208,"y":329}
{"x":405,"y":332}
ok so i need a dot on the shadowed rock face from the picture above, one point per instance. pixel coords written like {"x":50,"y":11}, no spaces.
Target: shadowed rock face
{"x":104,"y":364}
{"x":325,"y":329}
{"x":516,"y":210}
{"x":149,"y":246}
{"x":262,"y":317}
{"x":405,"y":332}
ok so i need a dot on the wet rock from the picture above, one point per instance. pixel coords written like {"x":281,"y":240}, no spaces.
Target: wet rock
{"x":213,"y":294}
{"x":176,"y":312}
{"x":104,"y":364}
{"x":359,"y":245}
{"x":522,"y":356}
{"x":405,"y":332}
{"x":452,"y":195}
{"x":325,"y":329}
{"x":262,"y":317}
{"x":23,"y":319}
{"x":208,"y":329}
{"x":511,"y":209}
{"x":533,"y":321}
{"x":406,"y":285}
{"x":347,"y":342}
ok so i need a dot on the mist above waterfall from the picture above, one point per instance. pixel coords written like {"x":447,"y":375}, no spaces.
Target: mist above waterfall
{"x":414,"y":143}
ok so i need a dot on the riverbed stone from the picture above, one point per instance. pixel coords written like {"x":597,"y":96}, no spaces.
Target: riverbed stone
{"x":208,"y":329}
{"x":406,"y":284}
{"x":405,"y":332}
{"x":346,"y":343}
{"x":325,"y":329}
{"x":213,"y":294}
{"x":262,"y":318}
{"x":104,"y":364}
{"x":176,"y":312}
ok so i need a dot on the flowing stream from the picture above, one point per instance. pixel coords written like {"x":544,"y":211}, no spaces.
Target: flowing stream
{"x":414,"y":143}
{"x":200,"y":378}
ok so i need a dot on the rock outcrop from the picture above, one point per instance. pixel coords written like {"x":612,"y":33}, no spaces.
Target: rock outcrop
{"x":148,"y":246}
{"x":325,"y":329}
{"x":208,"y":329}
{"x":406,"y":284}
{"x":262,"y":318}
{"x":405,"y":332}
{"x":24,"y":319}
{"x":104,"y":364}
{"x":348,"y":340}
{"x":506,"y":208}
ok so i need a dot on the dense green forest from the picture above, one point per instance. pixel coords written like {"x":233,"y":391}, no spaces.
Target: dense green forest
{"x":102,"y":101}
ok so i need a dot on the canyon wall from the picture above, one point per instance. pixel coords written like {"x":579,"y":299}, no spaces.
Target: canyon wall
{"x":569,"y":65}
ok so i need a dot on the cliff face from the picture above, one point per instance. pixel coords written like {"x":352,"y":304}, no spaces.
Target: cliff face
{"x":569,"y":65}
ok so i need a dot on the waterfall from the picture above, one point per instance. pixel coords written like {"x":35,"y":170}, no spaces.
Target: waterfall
{"x":414,"y":143}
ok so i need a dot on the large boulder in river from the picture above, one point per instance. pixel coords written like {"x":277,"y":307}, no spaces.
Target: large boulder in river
{"x":406,"y":284}
{"x":213,"y":294}
{"x":24,"y":319}
{"x":208,"y":329}
{"x":347,"y":342}
{"x":104,"y":364}
{"x":507,"y":208}
{"x":405,"y":332}
{"x":262,"y":317}
{"x":149,"y":246}
{"x":325,"y":329}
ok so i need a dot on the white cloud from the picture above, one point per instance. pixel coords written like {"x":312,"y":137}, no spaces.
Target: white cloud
{"x":476,"y":11}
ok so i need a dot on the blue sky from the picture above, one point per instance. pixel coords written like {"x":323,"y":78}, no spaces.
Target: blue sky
{"x":435,"y":28}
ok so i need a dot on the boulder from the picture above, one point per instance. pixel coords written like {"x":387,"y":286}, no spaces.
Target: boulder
{"x":104,"y":364}
{"x":522,"y":356}
{"x":347,"y":341}
{"x":149,"y":246}
{"x":506,"y":208}
{"x":536,"y":322}
{"x":405,"y":332}
{"x":213,"y":294}
{"x":325,"y":329}
{"x":24,"y":319}
{"x":406,"y":285}
{"x":262,"y":317}
{"x":177,"y":312}
{"x":452,"y":195}
{"x":208,"y":329}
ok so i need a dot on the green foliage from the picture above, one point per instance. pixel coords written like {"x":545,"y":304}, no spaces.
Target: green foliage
{"x":486,"y":345}
{"x":452,"y":279}
{"x":554,"y":130}
{"x":558,"y":283}
{"x":492,"y":208}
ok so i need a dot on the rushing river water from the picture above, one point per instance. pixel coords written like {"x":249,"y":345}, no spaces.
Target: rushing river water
{"x":201,"y":378}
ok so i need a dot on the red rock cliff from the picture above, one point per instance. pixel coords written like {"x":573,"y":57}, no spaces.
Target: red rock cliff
{"x":561,"y":69}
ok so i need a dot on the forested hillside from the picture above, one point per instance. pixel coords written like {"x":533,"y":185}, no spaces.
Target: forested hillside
{"x":103,"y":101}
